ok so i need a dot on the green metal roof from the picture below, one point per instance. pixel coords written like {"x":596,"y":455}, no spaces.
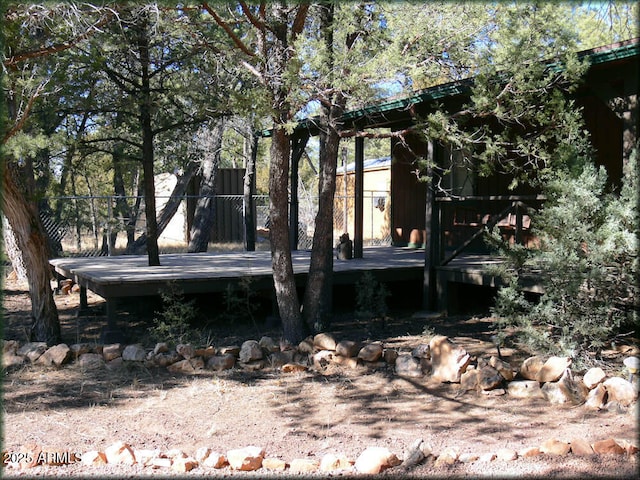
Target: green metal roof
{"x":596,"y":56}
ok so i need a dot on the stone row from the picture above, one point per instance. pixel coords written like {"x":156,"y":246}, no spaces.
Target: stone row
{"x":372,"y":460}
{"x":441,"y":359}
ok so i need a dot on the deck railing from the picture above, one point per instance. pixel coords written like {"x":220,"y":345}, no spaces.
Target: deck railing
{"x":96,"y":225}
{"x":460,"y":222}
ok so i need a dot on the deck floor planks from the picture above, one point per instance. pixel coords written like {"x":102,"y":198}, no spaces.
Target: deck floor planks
{"x":130,"y":275}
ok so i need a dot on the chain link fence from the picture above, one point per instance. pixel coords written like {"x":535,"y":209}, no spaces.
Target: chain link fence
{"x":108,"y":225}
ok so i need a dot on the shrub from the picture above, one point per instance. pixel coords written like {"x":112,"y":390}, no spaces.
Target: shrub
{"x":587,"y":263}
{"x":172,"y":325}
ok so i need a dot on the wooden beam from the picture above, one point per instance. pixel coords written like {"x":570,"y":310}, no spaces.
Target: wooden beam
{"x":358,"y":226}
{"x":431,"y":236}
{"x":299,"y":144}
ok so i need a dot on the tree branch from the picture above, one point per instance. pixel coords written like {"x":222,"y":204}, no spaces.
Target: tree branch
{"x":229,"y":31}
{"x":298,"y":23}
{"x":25,"y":114}
{"x":58,"y":47}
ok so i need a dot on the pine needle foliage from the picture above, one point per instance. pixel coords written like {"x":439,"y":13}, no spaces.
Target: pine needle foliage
{"x":587,"y":262}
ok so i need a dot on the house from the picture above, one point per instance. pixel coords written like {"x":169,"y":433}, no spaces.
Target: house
{"x":449,"y":224}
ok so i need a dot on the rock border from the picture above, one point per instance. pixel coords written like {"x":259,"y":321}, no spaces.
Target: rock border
{"x":441,"y":359}
{"x":372,"y":460}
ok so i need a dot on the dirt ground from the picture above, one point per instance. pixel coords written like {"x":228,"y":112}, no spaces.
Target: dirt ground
{"x":295,"y":415}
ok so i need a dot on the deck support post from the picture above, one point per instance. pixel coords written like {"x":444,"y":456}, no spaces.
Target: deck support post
{"x":358,"y":222}
{"x":111,"y":333}
{"x":299,"y":144}
{"x":431,"y":236}
{"x":84,"y":303}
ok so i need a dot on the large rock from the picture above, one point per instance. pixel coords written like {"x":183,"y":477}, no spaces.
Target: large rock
{"x":553,"y":369}
{"x":221,"y":362}
{"x":506,"y":454}
{"x":332,"y":462}
{"x":503,"y":367}
{"x":303,"y":465}
{"x":348,"y":348}
{"x":10,"y":346}
{"x":78,"y":349}
{"x":274,"y":463}
{"x":390,"y":355}
{"x":322,"y":359}
{"x":371,"y":352}
{"x":120,"y":453}
{"x":184,"y":465}
{"x":407,"y":365}
{"x":375,"y":460}
{"x":250,"y":351}
{"x":530,"y":367}
{"x":91,"y":360}
{"x":608,"y":446}
{"x":306,"y":347}
{"x":229,"y":349}
{"x":620,"y":390}
{"x":596,"y":398}
{"x":109,"y":352}
{"x":32,"y":350}
{"x":565,"y":390}
{"x":246,"y":459}
{"x":134,"y":353}
{"x":579,"y":446}
{"x":524,"y":389}
{"x":94,"y":458}
{"x":268,"y":344}
{"x":422,"y":351}
{"x":553,"y":446}
{"x":186,"y":350}
{"x":448,"y":456}
{"x":164,"y":359}
{"x":10,"y":359}
{"x":324,"y":341}
{"x":185,"y":366}
{"x":593,"y":377}
{"x":56,"y":355}
{"x":215,"y":460}
{"x":280,"y":358}
{"x":160,"y":347}
{"x":448,"y":360}
{"x":489,"y":378}
{"x":469,"y":379}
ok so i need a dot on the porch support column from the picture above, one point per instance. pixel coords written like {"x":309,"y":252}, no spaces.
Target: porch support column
{"x":358,"y":224}
{"x":431,"y":237}
{"x":299,"y":144}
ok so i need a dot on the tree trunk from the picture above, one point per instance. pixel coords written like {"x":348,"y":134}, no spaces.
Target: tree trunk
{"x":167,"y":212}
{"x":251,"y":153}
{"x":282,"y":265}
{"x":317,"y":304}
{"x":318,"y":292}
{"x":147,"y":147}
{"x":13,"y":252}
{"x":22,"y":213}
{"x":204,"y":215}
{"x":128,"y":215}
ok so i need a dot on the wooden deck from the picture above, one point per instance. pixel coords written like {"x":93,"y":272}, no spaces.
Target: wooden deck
{"x":130,"y":276}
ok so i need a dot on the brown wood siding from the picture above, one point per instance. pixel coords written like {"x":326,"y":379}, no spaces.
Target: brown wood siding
{"x":407,"y":193}
{"x":229,"y":224}
{"x":606,"y":131}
